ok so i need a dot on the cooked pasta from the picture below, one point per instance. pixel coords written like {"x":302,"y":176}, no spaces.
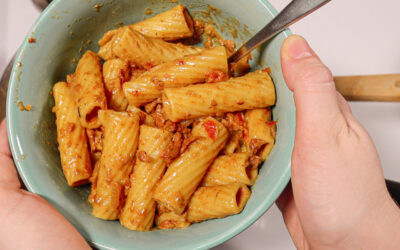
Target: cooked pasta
{"x":254,"y":90}
{"x":115,"y":73}
{"x":121,"y":132}
{"x":144,"y":117}
{"x":170,"y":25}
{"x":261,"y":132}
{"x":139,"y":211}
{"x":186,"y":172}
{"x":231,"y":168}
{"x":71,"y":137}
{"x":174,"y":133}
{"x":232,"y":144}
{"x":141,"y":50}
{"x":88,"y":89}
{"x":179,"y":73}
{"x":166,"y":219}
{"x":217,"y":201}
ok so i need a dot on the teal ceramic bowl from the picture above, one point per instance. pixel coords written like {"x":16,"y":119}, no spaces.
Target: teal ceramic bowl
{"x":63,"y":32}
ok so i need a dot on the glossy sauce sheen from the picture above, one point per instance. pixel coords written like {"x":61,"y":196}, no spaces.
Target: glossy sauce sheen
{"x":175,"y":135}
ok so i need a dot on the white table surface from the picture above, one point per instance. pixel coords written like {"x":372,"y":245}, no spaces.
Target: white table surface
{"x":351,"y":37}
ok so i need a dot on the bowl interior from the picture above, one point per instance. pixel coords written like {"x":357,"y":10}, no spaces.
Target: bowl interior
{"x":63,"y":33}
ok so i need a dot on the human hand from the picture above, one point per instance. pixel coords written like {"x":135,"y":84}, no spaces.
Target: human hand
{"x":27,"y":220}
{"x":339,"y":198}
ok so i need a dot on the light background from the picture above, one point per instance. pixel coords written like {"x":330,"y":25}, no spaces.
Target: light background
{"x":351,"y":37}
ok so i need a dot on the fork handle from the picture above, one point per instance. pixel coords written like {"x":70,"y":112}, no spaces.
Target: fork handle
{"x":385,"y":88}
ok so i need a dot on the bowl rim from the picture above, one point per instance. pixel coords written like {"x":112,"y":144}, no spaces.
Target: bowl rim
{"x":252,"y":218}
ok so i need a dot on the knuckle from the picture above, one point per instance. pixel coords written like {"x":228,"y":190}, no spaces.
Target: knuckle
{"x":316,"y":76}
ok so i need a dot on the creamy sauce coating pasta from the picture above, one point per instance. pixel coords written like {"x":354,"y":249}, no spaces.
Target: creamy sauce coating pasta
{"x":168,"y":134}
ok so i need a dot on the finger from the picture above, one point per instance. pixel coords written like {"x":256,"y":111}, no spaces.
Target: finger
{"x":311,"y":81}
{"x":285,"y":196}
{"x":4,"y":146}
{"x":293,"y":224}
{"x":8,"y":173}
{"x":288,"y":208}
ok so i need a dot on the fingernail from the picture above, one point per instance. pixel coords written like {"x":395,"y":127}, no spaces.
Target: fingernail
{"x":298,"y":48}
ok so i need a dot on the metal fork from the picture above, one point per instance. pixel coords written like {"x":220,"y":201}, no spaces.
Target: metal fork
{"x":293,"y":12}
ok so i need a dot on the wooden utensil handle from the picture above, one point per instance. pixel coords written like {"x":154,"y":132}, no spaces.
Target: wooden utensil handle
{"x":385,"y":88}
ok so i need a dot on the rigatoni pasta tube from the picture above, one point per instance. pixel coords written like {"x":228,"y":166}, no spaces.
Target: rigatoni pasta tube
{"x":217,"y":201}
{"x":166,"y":219}
{"x":170,"y":25}
{"x":139,"y":210}
{"x":143,"y":51}
{"x":106,"y":44}
{"x":144,"y":117}
{"x":170,"y":220}
{"x":261,"y":132}
{"x":115,"y":73}
{"x":121,"y":131}
{"x":186,"y":172}
{"x":93,"y":179}
{"x":253,"y":90}
{"x":233,"y":143}
{"x":230,"y":169}
{"x":88,"y":89}
{"x":71,"y":137}
{"x":178,"y":73}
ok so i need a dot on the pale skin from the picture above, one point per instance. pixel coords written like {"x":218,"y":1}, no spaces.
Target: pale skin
{"x":337,"y":200}
{"x":27,"y":220}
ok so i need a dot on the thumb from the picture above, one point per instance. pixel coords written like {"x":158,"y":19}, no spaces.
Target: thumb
{"x":8,"y":173}
{"x":311,"y":81}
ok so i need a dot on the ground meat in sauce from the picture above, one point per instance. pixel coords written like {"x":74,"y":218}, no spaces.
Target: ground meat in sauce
{"x":187,"y":141}
{"x":169,"y":126}
{"x":198,"y":30}
{"x":173,"y":150}
{"x":234,"y":121}
{"x":150,"y":107}
{"x":230,"y":47}
{"x":161,"y":121}
{"x":143,"y":156}
{"x":158,"y":116}
{"x":254,"y":160}
{"x":184,"y":127}
{"x":95,"y":138}
{"x":136,"y":72}
{"x":212,"y":34}
{"x":216,"y":76}
{"x":255,"y":145}
{"x":241,"y":67}
{"x":142,"y":118}
{"x":237,"y":126}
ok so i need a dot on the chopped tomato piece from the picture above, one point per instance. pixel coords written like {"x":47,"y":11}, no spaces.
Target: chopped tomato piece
{"x":122,"y":76}
{"x":211,"y":129}
{"x":240,"y":118}
{"x":270,"y":123}
{"x":216,"y":76}
{"x":148,"y":66}
{"x":32,"y":40}
{"x":245,"y":134}
{"x":181,"y":63}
